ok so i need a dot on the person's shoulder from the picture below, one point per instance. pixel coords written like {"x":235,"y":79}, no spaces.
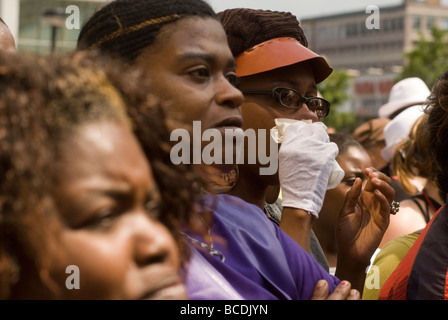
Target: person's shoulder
{"x":409,"y":214}
{"x":216,"y":200}
{"x":406,"y":240}
{"x":397,"y":247}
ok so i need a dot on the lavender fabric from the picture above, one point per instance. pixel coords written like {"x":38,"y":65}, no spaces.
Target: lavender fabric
{"x":261,"y":261}
{"x":204,"y":281}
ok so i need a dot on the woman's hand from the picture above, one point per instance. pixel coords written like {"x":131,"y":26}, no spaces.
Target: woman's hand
{"x":363,"y":220}
{"x":342,"y":292}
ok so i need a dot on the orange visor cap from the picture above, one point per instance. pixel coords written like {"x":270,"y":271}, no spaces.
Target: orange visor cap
{"x":277,"y":53}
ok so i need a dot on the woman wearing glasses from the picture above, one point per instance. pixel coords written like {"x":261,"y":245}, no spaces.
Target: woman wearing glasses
{"x":278,"y":76}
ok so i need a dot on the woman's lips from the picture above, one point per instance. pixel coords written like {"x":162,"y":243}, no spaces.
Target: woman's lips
{"x":166,"y":287}
{"x":172,"y":292}
{"x":231,"y":122}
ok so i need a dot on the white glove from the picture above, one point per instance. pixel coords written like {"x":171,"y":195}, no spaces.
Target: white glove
{"x":306,"y":162}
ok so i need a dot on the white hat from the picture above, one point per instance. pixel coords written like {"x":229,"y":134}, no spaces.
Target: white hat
{"x":398,"y":129}
{"x":407,"y":92}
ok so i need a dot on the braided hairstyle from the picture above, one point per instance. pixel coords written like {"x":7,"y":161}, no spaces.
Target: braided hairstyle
{"x":246,"y":28}
{"x":125,"y":27}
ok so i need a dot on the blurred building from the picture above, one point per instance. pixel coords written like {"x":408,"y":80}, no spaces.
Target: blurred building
{"x":374,"y":54}
{"x":43,"y":26}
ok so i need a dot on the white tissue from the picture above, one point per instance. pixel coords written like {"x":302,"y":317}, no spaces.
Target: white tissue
{"x":277,"y":133}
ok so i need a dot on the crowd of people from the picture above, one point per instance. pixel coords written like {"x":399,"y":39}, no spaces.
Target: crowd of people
{"x":139,"y":226}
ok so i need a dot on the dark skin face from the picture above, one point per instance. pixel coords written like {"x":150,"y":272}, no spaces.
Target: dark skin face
{"x":195,"y":70}
{"x":298,"y":76}
{"x":260,"y":111}
{"x":107,"y":206}
{"x":352,"y":161}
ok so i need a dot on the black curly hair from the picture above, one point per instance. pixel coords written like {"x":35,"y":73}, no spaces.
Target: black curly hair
{"x":43,"y":100}
{"x":437,"y":126}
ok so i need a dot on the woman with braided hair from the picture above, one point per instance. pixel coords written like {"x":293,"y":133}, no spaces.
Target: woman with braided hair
{"x":80,"y":209}
{"x":279,"y":75}
{"x":182,"y":47}
{"x":201,"y":76}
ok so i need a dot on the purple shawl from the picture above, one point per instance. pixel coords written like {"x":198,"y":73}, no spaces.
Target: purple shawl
{"x":261,"y":261}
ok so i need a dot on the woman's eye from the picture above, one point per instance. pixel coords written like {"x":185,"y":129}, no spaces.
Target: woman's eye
{"x":349,"y":182}
{"x":103,"y":219}
{"x":200,"y":73}
{"x":233,"y":79}
{"x":153,"y":208}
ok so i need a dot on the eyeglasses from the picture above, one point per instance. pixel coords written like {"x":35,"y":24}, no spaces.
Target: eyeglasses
{"x":292,"y":99}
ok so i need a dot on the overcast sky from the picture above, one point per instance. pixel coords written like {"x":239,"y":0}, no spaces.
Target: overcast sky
{"x":303,"y":8}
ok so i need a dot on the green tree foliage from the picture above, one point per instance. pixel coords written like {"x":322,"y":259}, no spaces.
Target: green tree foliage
{"x":334,"y":89}
{"x":428,"y":59}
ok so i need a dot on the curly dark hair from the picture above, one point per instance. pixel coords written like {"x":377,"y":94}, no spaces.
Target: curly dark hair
{"x":344,"y":141}
{"x":125,"y":27}
{"x":437,"y":126}
{"x":43,"y":100}
{"x":412,"y":157}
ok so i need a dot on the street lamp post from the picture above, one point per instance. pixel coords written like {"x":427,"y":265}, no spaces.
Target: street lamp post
{"x":55,"y":18}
